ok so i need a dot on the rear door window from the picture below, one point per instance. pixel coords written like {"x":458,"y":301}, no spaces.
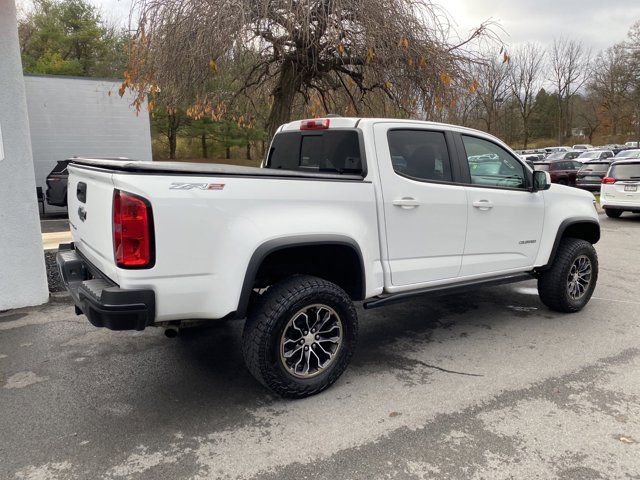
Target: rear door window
{"x":630,"y":171}
{"x":420,"y":154}
{"x":330,"y":151}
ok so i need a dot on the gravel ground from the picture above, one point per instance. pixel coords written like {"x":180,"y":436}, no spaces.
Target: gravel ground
{"x":53,"y":276}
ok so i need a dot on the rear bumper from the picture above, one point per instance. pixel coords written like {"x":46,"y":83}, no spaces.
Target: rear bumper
{"x":628,"y":207}
{"x":592,"y":186}
{"x":103,"y":302}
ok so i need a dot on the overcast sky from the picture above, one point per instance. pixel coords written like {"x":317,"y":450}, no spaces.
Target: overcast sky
{"x":599,"y":23}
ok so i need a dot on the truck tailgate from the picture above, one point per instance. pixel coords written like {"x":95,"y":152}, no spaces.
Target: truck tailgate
{"x":90,"y":198}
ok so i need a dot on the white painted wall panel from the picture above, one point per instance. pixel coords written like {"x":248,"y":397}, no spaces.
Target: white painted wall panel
{"x":22,"y":273}
{"x":84,"y":117}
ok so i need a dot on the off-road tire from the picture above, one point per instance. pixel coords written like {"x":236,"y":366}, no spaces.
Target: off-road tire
{"x":267,"y":320}
{"x":552,"y":283}
{"x":612,"y":213}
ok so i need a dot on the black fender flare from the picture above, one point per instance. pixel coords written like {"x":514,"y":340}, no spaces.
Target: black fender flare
{"x":276,"y":244}
{"x":569,"y":222}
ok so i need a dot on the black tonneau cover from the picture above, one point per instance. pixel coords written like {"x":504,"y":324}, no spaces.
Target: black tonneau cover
{"x":197,"y":169}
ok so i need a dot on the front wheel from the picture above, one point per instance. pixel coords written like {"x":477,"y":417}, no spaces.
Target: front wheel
{"x":612,"y":213}
{"x":568,"y":285}
{"x":300,"y":337}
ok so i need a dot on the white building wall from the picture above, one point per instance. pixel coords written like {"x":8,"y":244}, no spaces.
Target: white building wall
{"x":84,"y":117}
{"x":22,"y":272}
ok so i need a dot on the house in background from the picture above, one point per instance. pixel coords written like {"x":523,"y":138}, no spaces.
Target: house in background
{"x":83,"y":117}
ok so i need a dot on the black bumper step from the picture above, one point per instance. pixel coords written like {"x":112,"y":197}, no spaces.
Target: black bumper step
{"x":103,"y":302}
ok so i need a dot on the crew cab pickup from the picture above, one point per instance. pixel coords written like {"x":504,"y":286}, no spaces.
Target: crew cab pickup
{"x":342,"y":210}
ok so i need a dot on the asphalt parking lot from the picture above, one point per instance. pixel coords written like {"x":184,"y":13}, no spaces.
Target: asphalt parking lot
{"x":488,"y":385}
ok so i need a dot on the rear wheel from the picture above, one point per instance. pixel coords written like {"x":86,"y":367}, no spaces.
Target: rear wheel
{"x":612,"y":213}
{"x":300,"y":337}
{"x":562,"y":181}
{"x":568,"y":285}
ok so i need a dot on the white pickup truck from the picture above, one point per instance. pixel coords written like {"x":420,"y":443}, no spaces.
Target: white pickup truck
{"x":342,"y":210}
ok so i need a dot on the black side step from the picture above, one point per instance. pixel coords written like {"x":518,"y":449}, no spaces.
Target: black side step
{"x":447,"y":289}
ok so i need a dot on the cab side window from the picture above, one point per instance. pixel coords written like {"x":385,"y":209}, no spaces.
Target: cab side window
{"x":492,"y":166}
{"x":420,"y":155}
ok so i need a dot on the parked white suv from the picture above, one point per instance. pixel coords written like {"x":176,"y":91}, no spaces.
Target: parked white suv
{"x":620,"y":188}
{"x":343,"y":210}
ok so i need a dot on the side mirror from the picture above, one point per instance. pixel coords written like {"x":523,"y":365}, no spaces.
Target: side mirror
{"x":541,"y":181}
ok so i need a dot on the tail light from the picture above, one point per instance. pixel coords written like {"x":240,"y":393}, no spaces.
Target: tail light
{"x":317,"y":124}
{"x":608,"y":180}
{"x":133,"y":242}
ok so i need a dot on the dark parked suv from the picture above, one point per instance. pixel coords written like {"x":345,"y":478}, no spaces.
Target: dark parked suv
{"x":57,"y":181}
{"x":57,"y":184}
{"x":562,"y":171}
{"x":590,"y":176}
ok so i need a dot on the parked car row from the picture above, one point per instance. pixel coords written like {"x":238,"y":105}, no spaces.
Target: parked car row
{"x":544,"y":153}
{"x":583,"y":170}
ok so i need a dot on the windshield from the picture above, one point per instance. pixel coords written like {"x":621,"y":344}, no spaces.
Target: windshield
{"x":595,"y":167}
{"x":590,"y":155}
{"x":60,"y":167}
{"x":543,"y":167}
{"x":628,"y":171}
{"x":628,"y":154}
{"x":556,"y":156}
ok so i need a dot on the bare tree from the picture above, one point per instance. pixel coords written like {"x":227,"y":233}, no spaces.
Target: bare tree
{"x":589,"y":114}
{"x":399,"y":48}
{"x":492,"y":76}
{"x":526,"y":81}
{"x":570,"y":62}
{"x":633,"y":48}
{"x":612,"y":83}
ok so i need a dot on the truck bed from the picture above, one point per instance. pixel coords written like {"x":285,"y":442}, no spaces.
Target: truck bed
{"x":206,"y":169}
{"x":204,"y":239}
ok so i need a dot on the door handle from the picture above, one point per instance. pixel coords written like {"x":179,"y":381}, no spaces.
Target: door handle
{"x":483,"y":204}
{"x":406,"y":203}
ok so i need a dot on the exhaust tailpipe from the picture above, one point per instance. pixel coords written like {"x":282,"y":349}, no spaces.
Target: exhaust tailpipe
{"x":171,"y":332}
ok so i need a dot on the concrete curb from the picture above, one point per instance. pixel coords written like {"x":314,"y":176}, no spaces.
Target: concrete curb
{"x":60,"y":297}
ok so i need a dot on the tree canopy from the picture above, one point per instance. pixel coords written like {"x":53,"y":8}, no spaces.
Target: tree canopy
{"x":69,"y":37}
{"x":365,"y":51}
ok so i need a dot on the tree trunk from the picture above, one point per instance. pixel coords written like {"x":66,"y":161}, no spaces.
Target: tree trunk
{"x":569,"y":117}
{"x":228,"y":152}
{"x":203,"y":141}
{"x":249,"y":151}
{"x":284,"y":94}
{"x":560,"y":120}
{"x":172,"y":133}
